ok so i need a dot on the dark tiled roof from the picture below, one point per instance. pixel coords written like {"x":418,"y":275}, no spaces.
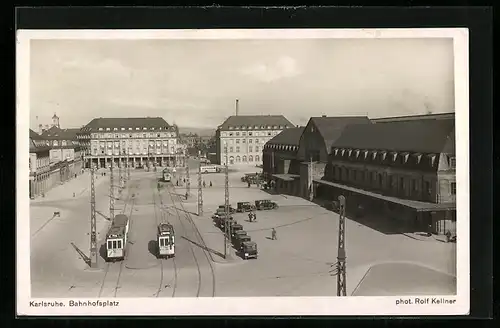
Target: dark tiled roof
{"x":253,"y":121}
{"x":422,"y":136}
{"x":331,"y":127}
{"x":55,"y":133}
{"x":127,"y":122}
{"x":289,"y":136}
{"x":438,"y":116}
{"x":34,"y":135}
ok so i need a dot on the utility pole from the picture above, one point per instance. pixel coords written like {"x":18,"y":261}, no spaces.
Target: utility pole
{"x":341,"y":257}
{"x":227,"y":224}
{"x":93,"y":224}
{"x":128,"y":165}
{"x":111,"y":192}
{"x":188,"y":182}
{"x":200,"y":193}
{"x":120,"y":170}
{"x":310,"y":182}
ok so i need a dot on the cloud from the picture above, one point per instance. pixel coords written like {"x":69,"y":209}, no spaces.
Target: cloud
{"x":284,"y":67}
{"x":106,"y":66}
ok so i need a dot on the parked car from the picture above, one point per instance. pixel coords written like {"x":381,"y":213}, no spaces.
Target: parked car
{"x":223,"y":208}
{"x":265,"y":204}
{"x":245,"y":207}
{"x":249,"y":249}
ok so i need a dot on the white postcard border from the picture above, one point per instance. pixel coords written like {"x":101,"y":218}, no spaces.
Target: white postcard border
{"x":251,"y":305}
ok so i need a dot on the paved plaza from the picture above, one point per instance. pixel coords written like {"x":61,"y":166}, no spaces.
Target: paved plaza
{"x":298,"y":263}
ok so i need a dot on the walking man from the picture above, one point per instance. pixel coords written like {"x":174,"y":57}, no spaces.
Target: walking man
{"x":204,"y":184}
{"x":210,"y":184}
{"x":273,"y":234}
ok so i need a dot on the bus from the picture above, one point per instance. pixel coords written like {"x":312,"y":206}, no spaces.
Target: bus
{"x":167,"y":175}
{"x":210,"y":169}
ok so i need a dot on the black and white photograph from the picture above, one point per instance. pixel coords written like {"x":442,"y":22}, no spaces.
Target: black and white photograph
{"x":242,"y":172}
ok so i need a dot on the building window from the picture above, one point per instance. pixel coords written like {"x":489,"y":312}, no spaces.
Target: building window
{"x":238,"y":150}
{"x":237,"y":134}
{"x":238,"y":159}
{"x":256,"y":148}
{"x":244,"y":158}
{"x":250,"y":149}
{"x":250,"y":134}
{"x":230,"y":134}
{"x":243,"y":140}
{"x":269,"y":133}
{"x":243,"y":133}
{"x":257,"y":158}
{"x":231,"y":149}
{"x":453,"y":163}
{"x":237,"y":141}
{"x":250,"y":140}
{"x":427,"y":187}
{"x":453,"y":188}
{"x":256,"y":141}
{"x":401,"y":184}
{"x":250,"y":158}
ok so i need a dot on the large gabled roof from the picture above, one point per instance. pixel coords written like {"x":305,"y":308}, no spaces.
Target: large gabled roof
{"x":256,"y":122}
{"x":55,"y":133}
{"x":35,"y":136}
{"x":149,"y":123}
{"x":422,"y":136}
{"x":331,"y":127}
{"x":290,"y":136}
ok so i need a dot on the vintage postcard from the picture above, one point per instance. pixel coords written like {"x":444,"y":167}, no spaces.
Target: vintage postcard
{"x":242,"y":172}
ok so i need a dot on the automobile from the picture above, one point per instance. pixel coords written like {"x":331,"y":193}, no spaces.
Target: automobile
{"x":249,"y":249}
{"x":221,"y":221}
{"x":265,"y":204}
{"x":223,"y":207}
{"x":245,"y":207}
{"x":235,"y":228}
{"x":238,"y":234}
{"x":238,"y":242}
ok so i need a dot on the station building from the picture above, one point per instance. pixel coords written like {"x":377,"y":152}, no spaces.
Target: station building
{"x":280,"y":160}
{"x":245,"y":137}
{"x":133,"y":142}
{"x":403,"y":170}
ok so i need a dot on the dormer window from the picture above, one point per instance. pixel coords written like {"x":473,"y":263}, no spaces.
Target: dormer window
{"x":394,"y":156}
{"x":374,"y":155}
{"x":384,"y":154}
{"x":137,"y":129}
{"x":130,"y":129}
{"x":144,"y":128}
{"x":281,"y":126}
{"x":114,"y":129}
{"x":108,"y":129}
{"x":256,"y":127}
{"x":405,"y":158}
{"x":357,"y":153}
{"x":122,"y":129}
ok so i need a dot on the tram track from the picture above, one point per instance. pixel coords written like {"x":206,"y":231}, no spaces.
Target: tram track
{"x":116,"y":281}
{"x":172,"y":195}
{"x":160,"y":219}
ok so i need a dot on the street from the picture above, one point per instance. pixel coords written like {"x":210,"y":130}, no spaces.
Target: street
{"x":298,"y":263}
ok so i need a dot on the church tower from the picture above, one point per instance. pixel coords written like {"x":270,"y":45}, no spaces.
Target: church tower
{"x":55,"y":121}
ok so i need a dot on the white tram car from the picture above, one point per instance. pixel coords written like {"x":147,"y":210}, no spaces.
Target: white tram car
{"x":167,"y":175}
{"x":116,"y":238}
{"x":166,"y":240}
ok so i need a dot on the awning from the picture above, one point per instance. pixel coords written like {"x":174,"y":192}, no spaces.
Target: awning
{"x":286,"y":177}
{"x":416,"y":205}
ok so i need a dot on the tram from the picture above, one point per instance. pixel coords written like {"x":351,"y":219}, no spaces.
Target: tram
{"x":116,"y":238}
{"x":167,"y":175}
{"x":166,"y":240}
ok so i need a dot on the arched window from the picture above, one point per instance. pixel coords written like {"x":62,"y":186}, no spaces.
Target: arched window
{"x":257,"y":158}
{"x":244,"y":158}
{"x":250,"y":158}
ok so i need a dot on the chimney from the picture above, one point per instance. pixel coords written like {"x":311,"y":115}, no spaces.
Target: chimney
{"x":40,"y":128}
{"x":237,"y":107}
{"x":323,"y":115}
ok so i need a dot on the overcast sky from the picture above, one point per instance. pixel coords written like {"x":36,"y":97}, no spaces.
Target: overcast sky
{"x":194,"y":83}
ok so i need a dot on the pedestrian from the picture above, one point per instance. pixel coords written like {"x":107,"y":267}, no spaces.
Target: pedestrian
{"x":177,"y":183}
{"x":187,"y":195}
{"x":184,"y":180}
{"x":210,"y":184}
{"x":204,"y":185}
{"x":273,"y":234}
{"x":250,"y":215}
{"x":248,"y":184}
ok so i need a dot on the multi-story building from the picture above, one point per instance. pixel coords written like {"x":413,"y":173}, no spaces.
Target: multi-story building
{"x":39,"y":165}
{"x":245,"y":137}
{"x":404,"y":169}
{"x":131,"y":142}
{"x":191,"y":140}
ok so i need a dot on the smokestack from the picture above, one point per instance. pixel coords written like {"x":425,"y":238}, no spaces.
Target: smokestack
{"x":237,"y":107}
